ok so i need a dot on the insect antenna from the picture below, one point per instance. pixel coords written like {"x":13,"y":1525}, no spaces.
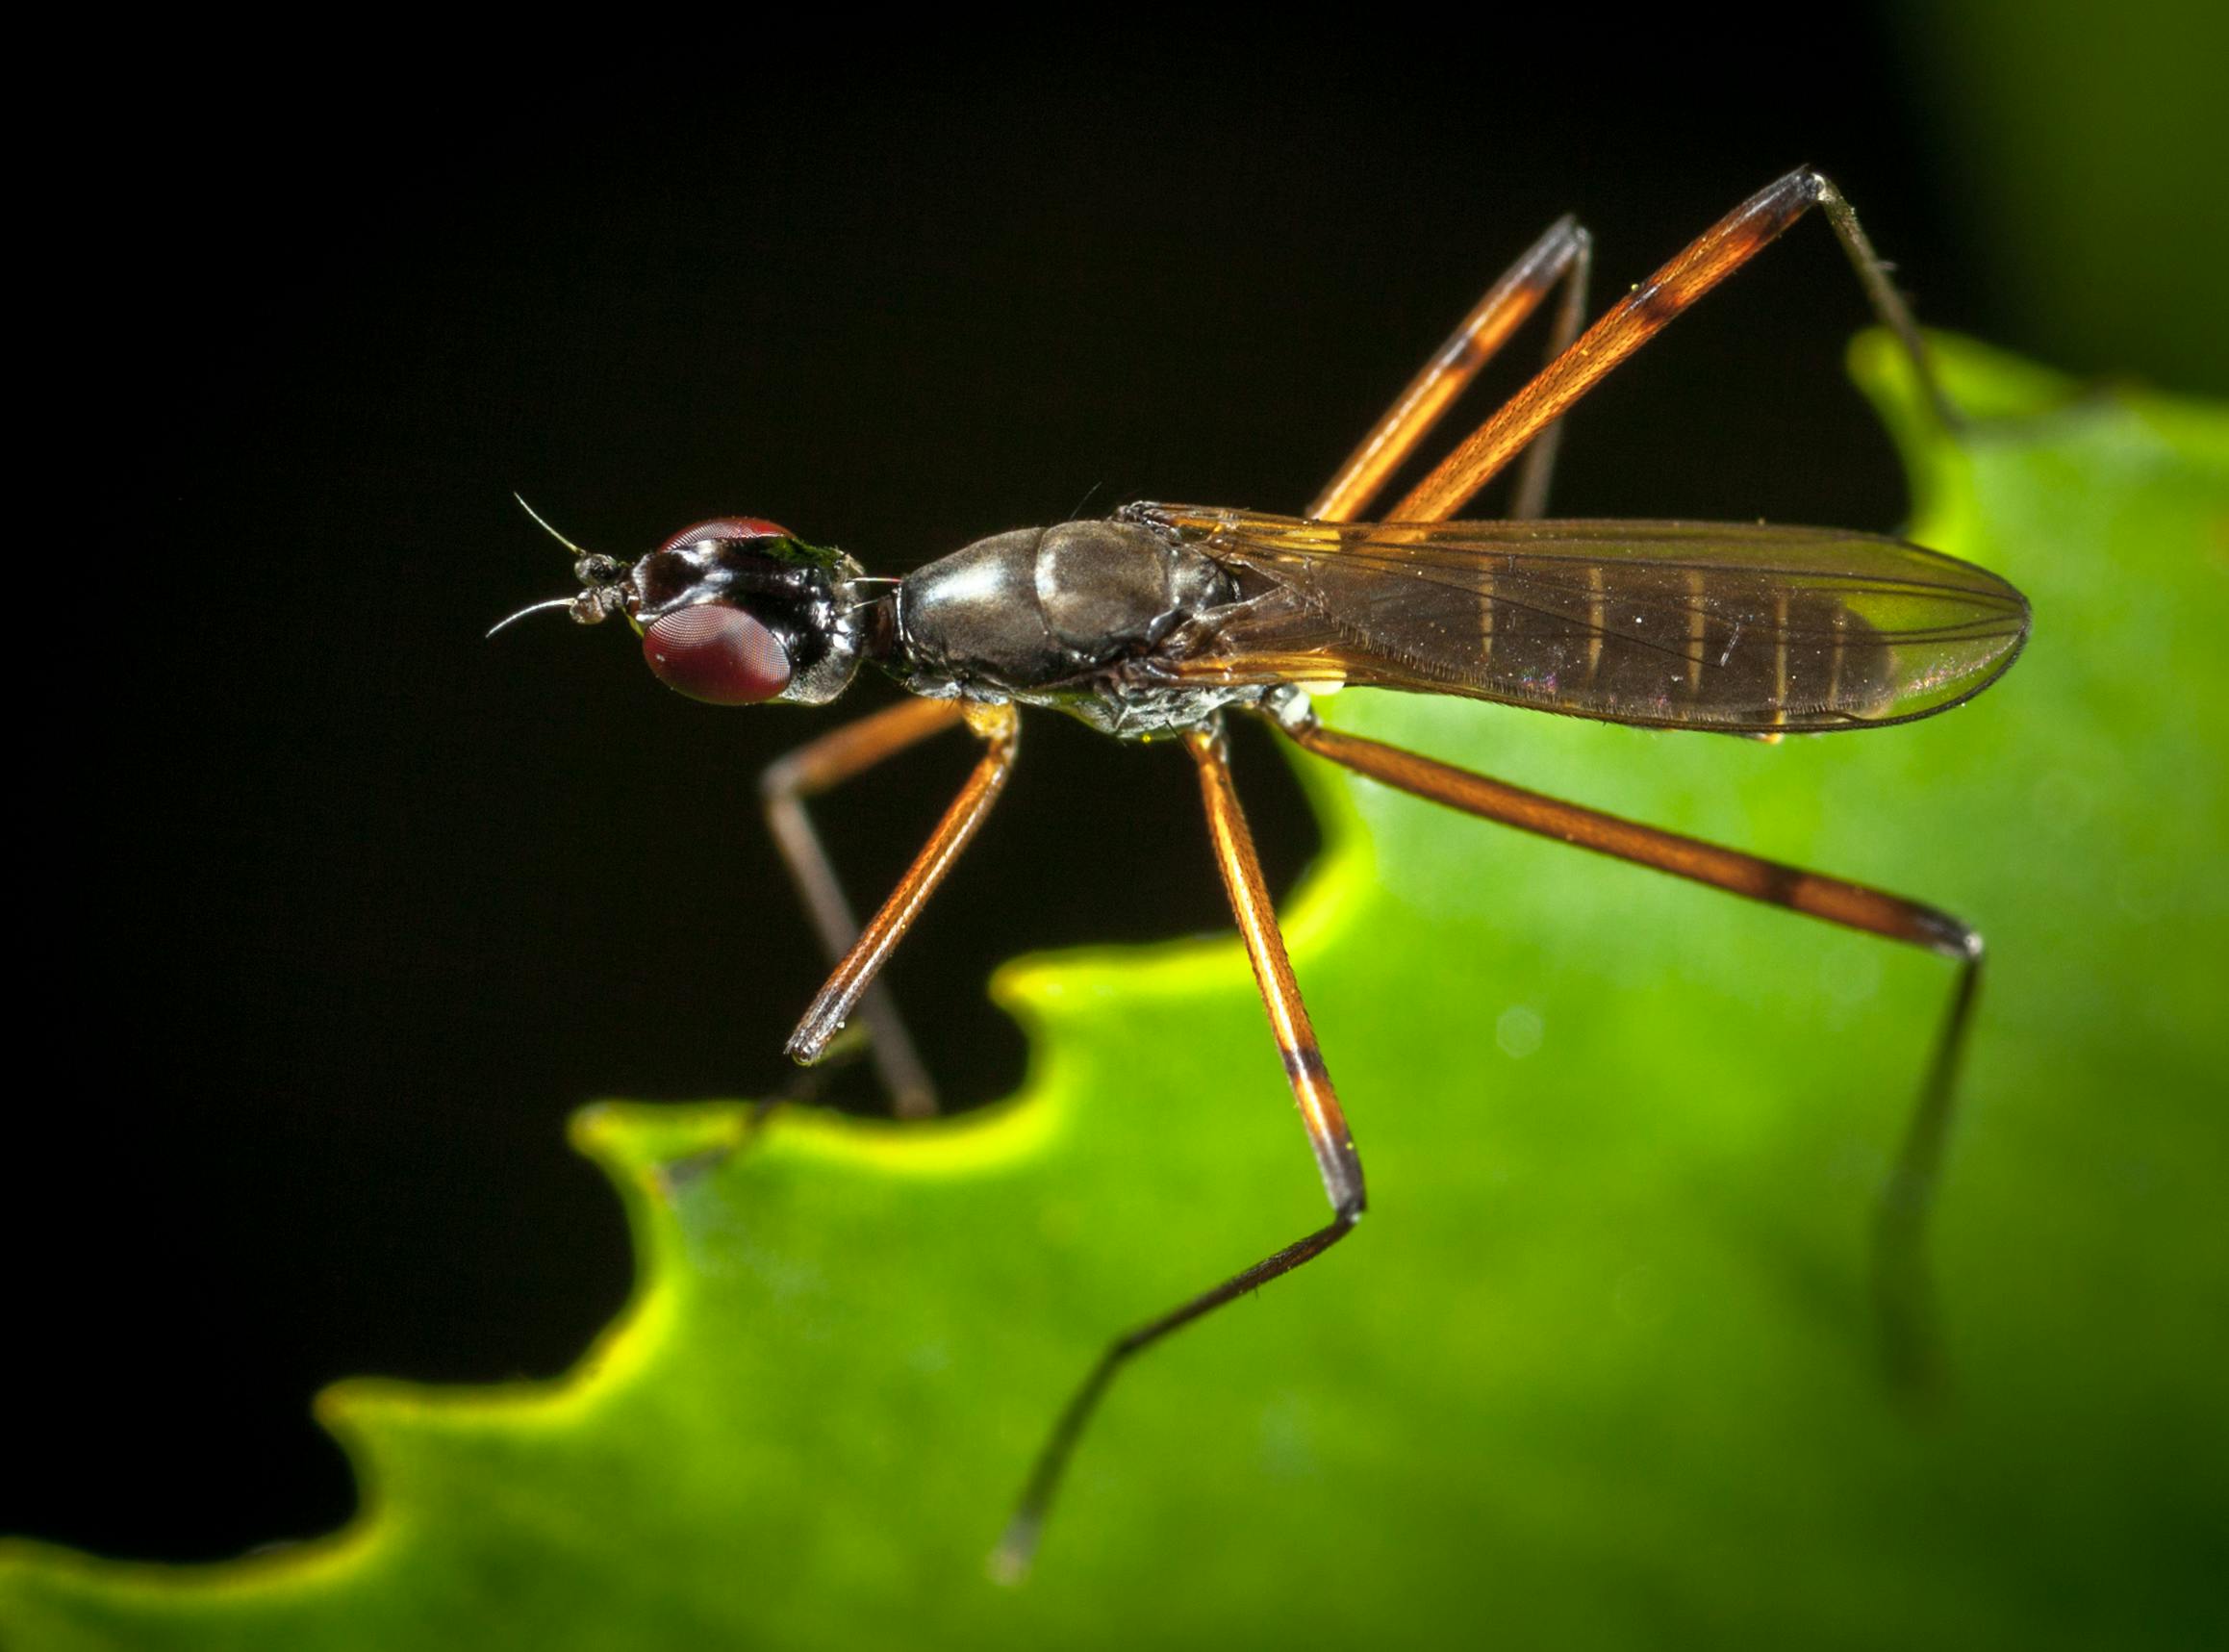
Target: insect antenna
{"x":547,"y":529}
{"x":533,"y":608}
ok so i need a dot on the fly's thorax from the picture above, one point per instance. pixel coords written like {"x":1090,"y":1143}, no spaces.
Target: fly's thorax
{"x":1039,"y":609}
{"x":1108,"y":587}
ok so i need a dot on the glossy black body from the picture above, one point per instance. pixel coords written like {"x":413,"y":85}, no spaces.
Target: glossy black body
{"x":1069,"y":617}
{"x":1151,"y":621}
{"x":801,"y":593}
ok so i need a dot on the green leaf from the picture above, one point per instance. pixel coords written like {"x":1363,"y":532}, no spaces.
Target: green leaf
{"x":1597,"y":1369}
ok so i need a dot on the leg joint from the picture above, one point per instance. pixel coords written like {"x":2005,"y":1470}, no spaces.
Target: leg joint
{"x":1290,"y":708}
{"x":1949,"y":936}
{"x":778,"y":782}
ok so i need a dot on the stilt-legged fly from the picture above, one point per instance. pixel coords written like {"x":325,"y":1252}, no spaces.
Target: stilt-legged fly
{"x":1162,"y":619}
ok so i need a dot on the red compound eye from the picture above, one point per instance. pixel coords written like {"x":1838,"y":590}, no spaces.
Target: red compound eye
{"x":717,"y":655}
{"x":726,"y":527}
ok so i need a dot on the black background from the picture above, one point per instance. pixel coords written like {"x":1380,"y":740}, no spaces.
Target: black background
{"x":358,"y":908}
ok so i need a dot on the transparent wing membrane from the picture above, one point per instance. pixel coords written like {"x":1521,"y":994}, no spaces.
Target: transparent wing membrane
{"x":1733,"y":626}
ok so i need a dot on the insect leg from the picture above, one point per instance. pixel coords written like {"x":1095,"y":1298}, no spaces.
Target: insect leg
{"x":999,"y":730}
{"x":1637,"y":318}
{"x":1561,"y":254}
{"x":1531,"y":499}
{"x":783,"y":788}
{"x":1901,"y":1289}
{"x":1336,"y":1160}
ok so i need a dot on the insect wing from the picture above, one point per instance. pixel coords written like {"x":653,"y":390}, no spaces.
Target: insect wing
{"x":1731,"y":626}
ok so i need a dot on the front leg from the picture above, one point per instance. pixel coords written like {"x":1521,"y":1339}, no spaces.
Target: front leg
{"x":1000,"y":728}
{"x":783,"y":788}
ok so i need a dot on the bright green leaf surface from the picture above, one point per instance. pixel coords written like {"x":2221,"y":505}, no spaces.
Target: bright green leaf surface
{"x":1597,"y":1369}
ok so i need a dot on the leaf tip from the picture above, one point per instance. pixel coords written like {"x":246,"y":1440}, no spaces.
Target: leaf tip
{"x":634,"y":1138}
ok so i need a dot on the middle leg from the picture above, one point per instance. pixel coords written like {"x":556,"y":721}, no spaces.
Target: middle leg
{"x":1336,"y":1159}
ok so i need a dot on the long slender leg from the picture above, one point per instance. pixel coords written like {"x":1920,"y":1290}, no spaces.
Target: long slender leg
{"x":1717,"y":253}
{"x":1336,"y":1160}
{"x":1561,"y":254}
{"x":1530,"y":502}
{"x":1001,"y":732}
{"x":783,"y":788}
{"x":1902,"y":1293}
